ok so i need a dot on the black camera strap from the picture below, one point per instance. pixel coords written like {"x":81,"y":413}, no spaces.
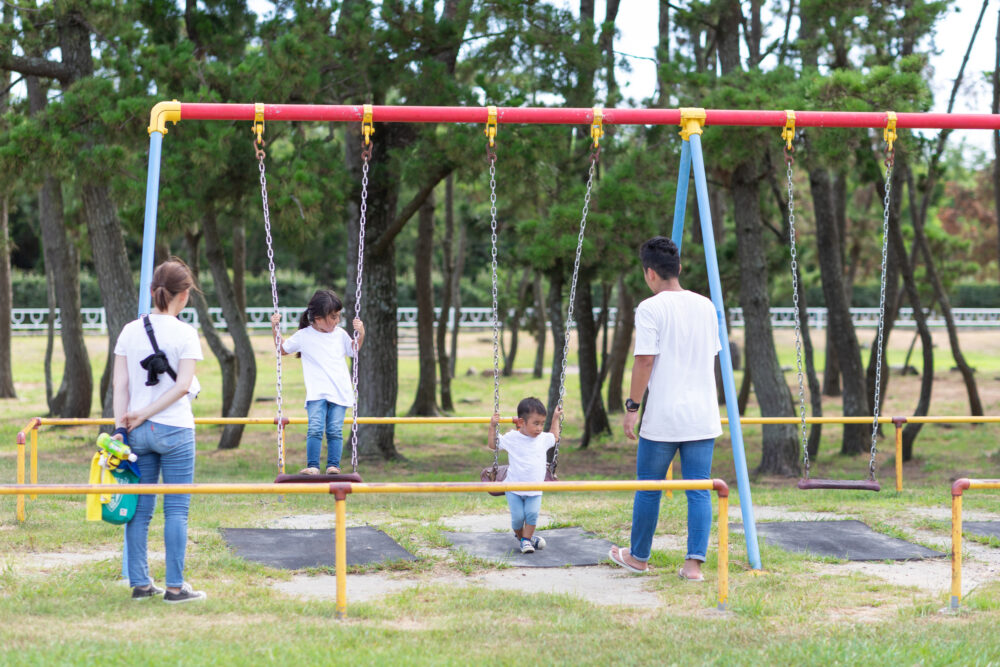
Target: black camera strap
{"x":156,"y":348}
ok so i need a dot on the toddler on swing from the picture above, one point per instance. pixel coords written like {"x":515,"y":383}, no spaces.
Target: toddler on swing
{"x":527,"y":449}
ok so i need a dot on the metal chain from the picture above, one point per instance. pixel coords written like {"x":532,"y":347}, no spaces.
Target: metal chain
{"x":366,"y":155}
{"x":492,"y":157}
{"x":274,"y":298}
{"x":889,"y":160}
{"x":594,"y":156}
{"x":795,"y":302}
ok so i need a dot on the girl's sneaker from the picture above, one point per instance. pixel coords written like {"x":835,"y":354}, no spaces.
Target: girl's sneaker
{"x":526,"y":546}
{"x":538,"y":542}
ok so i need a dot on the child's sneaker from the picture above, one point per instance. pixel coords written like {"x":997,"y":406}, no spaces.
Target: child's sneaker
{"x":538,"y":542}
{"x":332,"y":470}
{"x":186,"y":594}
{"x":309,"y":471}
{"x":151,"y":591}
{"x":526,"y":546}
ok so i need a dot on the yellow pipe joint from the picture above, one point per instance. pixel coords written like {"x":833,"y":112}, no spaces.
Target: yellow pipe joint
{"x":692,"y":121}
{"x":161,"y":113}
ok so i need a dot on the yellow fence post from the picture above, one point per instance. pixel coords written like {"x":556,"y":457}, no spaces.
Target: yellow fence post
{"x":723,"y":491}
{"x":898,"y":422}
{"x":340,"y":491}
{"x":34,"y":456}
{"x":670,"y":476}
{"x":956,"y":540}
{"x":20,"y":474}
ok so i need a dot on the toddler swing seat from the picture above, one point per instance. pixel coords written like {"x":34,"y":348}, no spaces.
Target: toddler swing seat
{"x":498,"y":473}
{"x":296,"y":478}
{"x":848,"y":484}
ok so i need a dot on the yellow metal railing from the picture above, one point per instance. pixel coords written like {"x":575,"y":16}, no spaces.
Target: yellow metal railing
{"x":957,"y":488}
{"x":31,"y":432}
{"x":340,"y":491}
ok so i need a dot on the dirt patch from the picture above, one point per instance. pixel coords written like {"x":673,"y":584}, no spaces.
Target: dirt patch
{"x":599,"y":585}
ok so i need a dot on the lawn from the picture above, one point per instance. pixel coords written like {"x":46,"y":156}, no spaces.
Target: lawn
{"x":62,"y":603}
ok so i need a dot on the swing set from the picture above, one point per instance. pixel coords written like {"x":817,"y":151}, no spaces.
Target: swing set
{"x":691,"y":120}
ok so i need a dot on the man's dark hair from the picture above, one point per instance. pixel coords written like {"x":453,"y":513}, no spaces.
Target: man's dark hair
{"x":660,"y":254}
{"x":530,"y":406}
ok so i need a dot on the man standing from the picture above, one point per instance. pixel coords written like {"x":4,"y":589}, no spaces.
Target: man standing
{"x":677,"y":338}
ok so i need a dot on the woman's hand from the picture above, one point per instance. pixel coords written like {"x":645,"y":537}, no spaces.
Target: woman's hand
{"x":133,"y":419}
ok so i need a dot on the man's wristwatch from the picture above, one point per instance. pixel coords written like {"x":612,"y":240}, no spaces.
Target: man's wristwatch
{"x":632,"y":406}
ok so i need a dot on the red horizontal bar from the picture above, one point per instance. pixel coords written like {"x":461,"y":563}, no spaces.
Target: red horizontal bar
{"x":573,"y":116}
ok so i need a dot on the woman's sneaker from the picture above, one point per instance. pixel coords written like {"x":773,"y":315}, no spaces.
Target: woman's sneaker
{"x":309,"y":471}
{"x":151,"y":591}
{"x":526,"y":546}
{"x":538,"y":542}
{"x":186,"y":594}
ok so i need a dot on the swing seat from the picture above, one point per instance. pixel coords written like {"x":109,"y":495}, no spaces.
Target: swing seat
{"x":499,"y":474}
{"x":317,"y":479}
{"x":851,"y":484}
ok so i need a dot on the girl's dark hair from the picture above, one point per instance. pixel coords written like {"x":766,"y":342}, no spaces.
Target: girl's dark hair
{"x":530,"y":406}
{"x":324,"y":302}
{"x":170,"y":279}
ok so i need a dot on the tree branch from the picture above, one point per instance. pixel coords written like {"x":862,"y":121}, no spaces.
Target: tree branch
{"x":436,"y":176}
{"x":31,"y":66}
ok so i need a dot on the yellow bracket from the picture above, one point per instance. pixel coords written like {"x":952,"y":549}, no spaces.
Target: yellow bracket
{"x":692,"y":122}
{"x":258,"y":122}
{"x":788,"y":134}
{"x":889,"y":133}
{"x":161,"y":113}
{"x":367,"y":129}
{"x":597,"y":126}
{"x":491,"y":124}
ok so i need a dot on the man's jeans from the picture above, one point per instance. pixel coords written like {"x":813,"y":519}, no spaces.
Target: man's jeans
{"x":651,"y":462}
{"x":170,"y":450}
{"x":324,"y":417}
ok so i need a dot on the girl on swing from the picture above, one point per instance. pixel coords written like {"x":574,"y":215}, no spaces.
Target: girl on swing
{"x":527,"y":449}
{"x":324,"y":347}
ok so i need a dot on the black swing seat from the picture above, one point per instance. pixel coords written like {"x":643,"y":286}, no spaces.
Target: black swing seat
{"x":317,"y":479}
{"x":852,"y":484}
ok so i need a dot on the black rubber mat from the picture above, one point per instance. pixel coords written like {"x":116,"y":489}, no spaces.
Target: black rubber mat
{"x":850,"y":540}
{"x":564,"y":546}
{"x":298,"y":549}
{"x":982,"y":528}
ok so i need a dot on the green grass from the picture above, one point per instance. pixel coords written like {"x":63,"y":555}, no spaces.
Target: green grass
{"x":73,"y":613}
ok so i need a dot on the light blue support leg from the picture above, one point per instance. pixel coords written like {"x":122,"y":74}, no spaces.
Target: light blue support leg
{"x":680,"y":203}
{"x":728,"y":383}
{"x":149,"y":225}
{"x":148,"y":248}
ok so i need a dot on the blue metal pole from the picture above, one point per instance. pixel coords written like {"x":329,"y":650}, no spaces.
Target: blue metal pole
{"x":148,"y":248}
{"x":680,"y":203}
{"x":149,"y":225}
{"x":728,"y":383}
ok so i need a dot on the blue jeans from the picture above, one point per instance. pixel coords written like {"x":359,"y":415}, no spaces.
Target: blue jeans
{"x":170,"y":450}
{"x":523,"y":510}
{"x":651,"y":462}
{"x":324,"y":417}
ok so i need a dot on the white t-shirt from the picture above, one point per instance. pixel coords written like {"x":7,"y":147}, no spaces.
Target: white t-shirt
{"x":178,"y":340}
{"x":682,"y":330}
{"x":324,"y":363}
{"x":526,"y":457}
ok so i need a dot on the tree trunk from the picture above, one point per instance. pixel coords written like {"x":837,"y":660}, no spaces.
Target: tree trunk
{"x":424,"y":403}
{"x":541,"y":327}
{"x":815,"y":395}
{"x":515,"y":322}
{"x":114,"y":276}
{"x":378,"y":365}
{"x":779,"y":454}
{"x":620,"y":344}
{"x":240,"y":265}
{"x":457,"y":295}
{"x":840,"y":328}
{"x":995,"y":79}
{"x":6,"y":303}
{"x":447,"y":272}
{"x":554,"y":307}
{"x":595,"y":419}
{"x":831,"y":372}
{"x":225,"y":356}
{"x":246,"y":362}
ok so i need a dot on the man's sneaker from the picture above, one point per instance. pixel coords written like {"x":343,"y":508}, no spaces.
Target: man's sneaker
{"x":526,"y":547}
{"x":332,"y":470}
{"x":151,"y":591}
{"x":309,"y":471}
{"x":538,"y":542}
{"x":186,"y":594}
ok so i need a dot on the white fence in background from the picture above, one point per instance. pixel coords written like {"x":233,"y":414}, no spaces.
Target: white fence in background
{"x":35,"y":320}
